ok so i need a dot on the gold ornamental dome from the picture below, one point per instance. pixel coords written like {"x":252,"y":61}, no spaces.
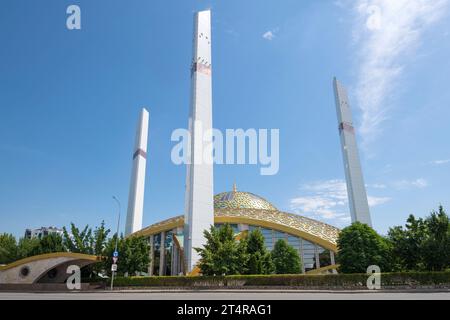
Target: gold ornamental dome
{"x":241,"y":200}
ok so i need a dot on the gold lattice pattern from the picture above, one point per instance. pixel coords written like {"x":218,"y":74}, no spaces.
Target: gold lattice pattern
{"x":241,"y":200}
{"x":313,"y":227}
{"x":320,"y":231}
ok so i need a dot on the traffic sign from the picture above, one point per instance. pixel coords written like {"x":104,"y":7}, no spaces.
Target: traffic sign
{"x":115,"y":254}
{"x":115,"y":260}
{"x":114,"y":267}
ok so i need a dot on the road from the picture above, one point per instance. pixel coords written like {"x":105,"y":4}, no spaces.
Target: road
{"x":228,"y":295}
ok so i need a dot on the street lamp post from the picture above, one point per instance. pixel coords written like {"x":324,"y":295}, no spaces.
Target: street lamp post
{"x":117,"y":240}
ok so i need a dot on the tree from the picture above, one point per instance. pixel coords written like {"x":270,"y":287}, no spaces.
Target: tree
{"x":436,"y":245}
{"x":87,"y":242}
{"x":324,"y":258}
{"x":424,"y":244}
{"x":79,"y":242}
{"x":222,"y":254}
{"x":407,"y":244}
{"x":360,"y":247}
{"x":133,"y":255}
{"x":258,"y":258}
{"x":285,"y":258}
{"x":8,"y":248}
{"x":26,"y":247}
{"x":100,"y":239}
{"x":11,"y":251}
{"x":52,"y":242}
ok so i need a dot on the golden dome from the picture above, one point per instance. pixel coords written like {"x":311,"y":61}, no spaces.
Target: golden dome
{"x":241,"y":200}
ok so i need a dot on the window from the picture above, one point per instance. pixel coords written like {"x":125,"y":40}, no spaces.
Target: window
{"x":156,"y":253}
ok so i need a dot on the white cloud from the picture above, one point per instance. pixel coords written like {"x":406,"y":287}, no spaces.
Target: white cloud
{"x":327,"y":200}
{"x":440,"y":162}
{"x":376,"y":186}
{"x":269,"y":35}
{"x":376,"y":201}
{"x":420,"y":183}
{"x":388,"y":32}
{"x":318,"y":205}
{"x":406,"y":184}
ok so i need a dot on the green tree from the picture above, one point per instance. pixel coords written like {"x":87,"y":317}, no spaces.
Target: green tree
{"x":8,"y":248}
{"x":424,"y":244}
{"x":324,"y":258}
{"x":82,"y":242}
{"x":100,"y":238}
{"x":133,"y":255}
{"x":436,"y":245}
{"x":285,"y":258}
{"x":79,"y":242}
{"x":52,"y":242}
{"x":359,"y":247}
{"x":222,"y":254}
{"x":26,"y":247}
{"x":407,"y":244}
{"x":258,"y":258}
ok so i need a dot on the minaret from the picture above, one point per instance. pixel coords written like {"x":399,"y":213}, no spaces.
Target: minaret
{"x":199,"y":204}
{"x":137,"y":184}
{"x":356,"y":190}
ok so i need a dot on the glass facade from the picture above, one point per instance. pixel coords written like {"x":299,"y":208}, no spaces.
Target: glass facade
{"x":168,"y":248}
{"x":233,"y":226}
{"x":312,"y":255}
{"x":156,"y":253}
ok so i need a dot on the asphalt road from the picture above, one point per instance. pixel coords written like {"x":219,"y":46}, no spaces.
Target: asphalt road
{"x":227,"y":295}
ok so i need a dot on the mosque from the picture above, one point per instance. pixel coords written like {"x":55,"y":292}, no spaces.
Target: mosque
{"x":173,"y":241}
{"x":245,"y":211}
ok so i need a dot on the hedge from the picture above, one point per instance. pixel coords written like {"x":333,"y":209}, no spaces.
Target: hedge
{"x":408,"y":279}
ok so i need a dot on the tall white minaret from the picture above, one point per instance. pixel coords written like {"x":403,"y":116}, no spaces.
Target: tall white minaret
{"x":356,"y":190}
{"x":199,"y":204}
{"x":137,"y":184}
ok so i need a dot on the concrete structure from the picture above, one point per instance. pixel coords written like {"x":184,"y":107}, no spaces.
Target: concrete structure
{"x":137,"y":184}
{"x":199,"y":209}
{"x":356,"y":190}
{"x":44,"y":268}
{"x":42,"y":232}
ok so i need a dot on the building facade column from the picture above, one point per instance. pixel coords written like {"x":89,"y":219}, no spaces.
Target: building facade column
{"x":332,"y":258}
{"x":316,"y":254}
{"x":302,"y":256}
{"x":151,"y":255}
{"x":162,"y":254}
{"x":173,"y":267}
{"x":333,"y":261}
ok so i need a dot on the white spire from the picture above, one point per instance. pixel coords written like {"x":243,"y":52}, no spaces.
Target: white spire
{"x":356,"y":190}
{"x":137,"y":184}
{"x":199,"y":203}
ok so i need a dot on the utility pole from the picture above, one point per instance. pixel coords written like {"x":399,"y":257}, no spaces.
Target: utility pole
{"x":117,"y":240}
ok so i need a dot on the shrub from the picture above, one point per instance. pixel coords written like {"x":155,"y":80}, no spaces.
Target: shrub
{"x":337,"y":281}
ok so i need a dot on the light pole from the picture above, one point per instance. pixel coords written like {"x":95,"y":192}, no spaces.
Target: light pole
{"x":117,"y":239}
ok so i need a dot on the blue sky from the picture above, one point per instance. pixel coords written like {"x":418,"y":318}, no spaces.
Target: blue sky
{"x":69,"y":102}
